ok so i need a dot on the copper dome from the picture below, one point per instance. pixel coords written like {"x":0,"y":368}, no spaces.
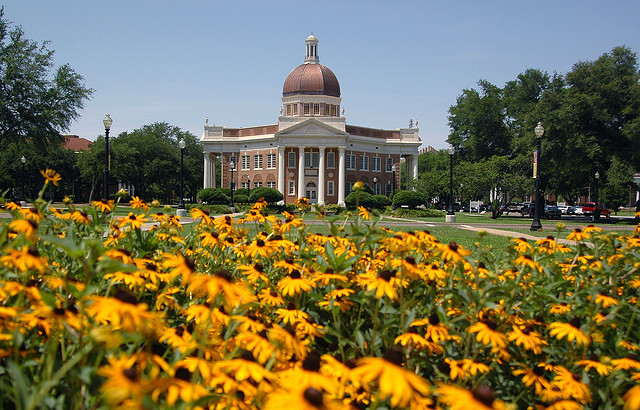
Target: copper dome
{"x":311,"y":79}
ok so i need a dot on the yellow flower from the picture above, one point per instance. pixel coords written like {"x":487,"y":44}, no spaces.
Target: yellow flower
{"x":392,"y":380}
{"x":594,"y":363}
{"x":527,"y":338}
{"x":105,"y":206}
{"x":533,"y":377}
{"x":632,"y":396}
{"x":51,"y":176}
{"x":459,"y":398}
{"x":358,"y":186}
{"x":294,"y":284}
{"x":487,"y":334}
{"x":364,"y":213}
{"x":569,"y":330}
{"x":571,"y":385}
{"x":134,"y":221}
{"x":606,"y":301}
{"x":578,"y":235}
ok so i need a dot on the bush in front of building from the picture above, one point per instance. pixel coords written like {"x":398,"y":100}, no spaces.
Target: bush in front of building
{"x":240,"y":191}
{"x":381,"y":201}
{"x":240,"y":198}
{"x":418,"y":213}
{"x":271,"y":195}
{"x":409,"y":199}
{"x":213,"y":196}
{"x":365,"y":199}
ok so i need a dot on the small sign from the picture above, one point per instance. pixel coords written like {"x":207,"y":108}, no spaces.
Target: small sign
{"x":535,"y":164}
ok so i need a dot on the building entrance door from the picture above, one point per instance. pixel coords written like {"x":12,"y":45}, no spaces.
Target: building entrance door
{"x":311,"y":192}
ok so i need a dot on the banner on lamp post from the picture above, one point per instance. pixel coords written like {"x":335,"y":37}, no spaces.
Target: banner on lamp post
{"x":535,"y":164}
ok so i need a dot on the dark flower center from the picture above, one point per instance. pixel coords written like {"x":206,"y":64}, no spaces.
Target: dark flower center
{"x":313,"y":396}
{"x":453,"y":246}
{"x":223,"y":274}
{"x":312,"y":362}
{"x":491,"y":324}
{"x":258,"y":266}
{"x":444,"y":367}
{"x":183,"y":374}
{"x":295,"y":274}
{"x":410,"y":260}
{"x":394,"y":355}
{"x":434,"y":319}
{"x":191,"y":264}
{"x":125,"y":297}
{"x":483,"y":394}
{"x":131,"y":373}
{"x":260,"y":243}
{"x":575,"y":322}
{"x":385,"y":275}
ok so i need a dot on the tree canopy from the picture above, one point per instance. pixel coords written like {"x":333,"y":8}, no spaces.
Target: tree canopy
{"x":591,"y":117}
{"x":37,"y":102}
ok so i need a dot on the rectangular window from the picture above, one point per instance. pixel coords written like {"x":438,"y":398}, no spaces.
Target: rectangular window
{"x":316,"y":109}
{"x":257,"y":184}
{"x":295,"y":109}
{"x":288,"y":109}
{"x":331,"y":159}
{"x":245,"y":162}
{"x":292,"y":188}
{"x":377,"y":188}
{"x":244,"y":185}
{"x":233,"y":160}
{"x":330,"y":188}
{"x":271,"y":161}
{"x":389,"y":164}
{"x":292,"y":160}
{"x":351,"y":161}
{"x":311,"y":159}
{"x":257,"y":161}
{"x":271,"y":184}
{"x":377,"y":164}
{"x":306,"y":109}
{"x":364,"y":163}
{"x":349,"y":188}
{"x":388,"y":189}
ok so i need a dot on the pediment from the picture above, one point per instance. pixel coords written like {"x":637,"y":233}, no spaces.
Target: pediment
{"x":311,"y":128}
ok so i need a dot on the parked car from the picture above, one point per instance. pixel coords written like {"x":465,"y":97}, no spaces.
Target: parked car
{"x":527,"y":209}
{"x":577,"y":210}
{"x":513,"y":207}
{"x":588,"y":208}
{"x":564,"y":209}
{"x":552,"y":211}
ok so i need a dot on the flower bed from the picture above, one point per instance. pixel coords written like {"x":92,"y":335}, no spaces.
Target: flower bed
{"x":96,"y":311}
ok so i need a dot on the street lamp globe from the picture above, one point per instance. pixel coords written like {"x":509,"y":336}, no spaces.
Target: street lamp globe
{"x":538,"y":208}
{"x":451,"y":215}
{"x":23,"y":159}
{"x":182,"y":211}
{"x":107,"y":122}
{"x":182,"y":144}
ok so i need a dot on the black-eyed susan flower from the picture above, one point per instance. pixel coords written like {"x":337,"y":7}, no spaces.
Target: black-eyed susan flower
{"x":578,"y":235}
{"x":533,"y":377}
{"x":571,"y":385}
{"x":134,"y":221}
{"x":294,"y":284}
{"x":528,"y":338}
{"x":103,"y":205}
{"x":593,"y":362}
{"x":52,"y":176}
{"x":459,"y":398}
{"x":137,"y":204}
{"x":390,"y":378}
{"x":382,"y":284}
{"x":571,"y":331}
{"x":487,"y":333}
{"x":453,"y":252}
{"x":626,"y":363}
{"x":632,"y":398}
{"x":303,"y":399}
{"x":606,"y":301}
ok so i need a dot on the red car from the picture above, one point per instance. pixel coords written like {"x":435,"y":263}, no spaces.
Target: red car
{"x":589,"y":207}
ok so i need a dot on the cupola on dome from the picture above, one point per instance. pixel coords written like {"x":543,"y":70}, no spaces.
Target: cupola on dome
{"x":311,"y":78}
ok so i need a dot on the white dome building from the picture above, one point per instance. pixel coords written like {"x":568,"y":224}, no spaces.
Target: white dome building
{"x":311,"y":152}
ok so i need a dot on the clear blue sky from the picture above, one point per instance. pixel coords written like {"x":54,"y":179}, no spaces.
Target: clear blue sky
{"x":182,"y":61}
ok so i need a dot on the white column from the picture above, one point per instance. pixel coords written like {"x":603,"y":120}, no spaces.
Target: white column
{"x":341,"y":176}
{"x":321,"y":176}
{"x":300,"y":172}
{"x":414,"y":163}
{"x":207,"y":174}
{"x":213,"y":160}
{"x":281,"y":171}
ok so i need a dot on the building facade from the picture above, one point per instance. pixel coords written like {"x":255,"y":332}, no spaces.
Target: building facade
{"x":311,"y":152}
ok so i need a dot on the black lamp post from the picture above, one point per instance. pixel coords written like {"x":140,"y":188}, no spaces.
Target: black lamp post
{"x":536,"y":225}
{"x":596,"y":208}
{"x":107,"y":121}
{"x":232,"y":167}
{"x":248,"y":186}
{"x":451,"y":215}
{"x":181,"y":208}
{"x":23,"y":160}
{"x":393,"y":169}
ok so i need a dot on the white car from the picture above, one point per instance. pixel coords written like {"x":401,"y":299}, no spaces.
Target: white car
{"x":578,"y":210}
{"x":564,"y":209}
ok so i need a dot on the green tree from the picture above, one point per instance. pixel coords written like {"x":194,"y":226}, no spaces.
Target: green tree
{"x":36,"y":104}
{"x":149,"y":159}
{"x":478,"y":123}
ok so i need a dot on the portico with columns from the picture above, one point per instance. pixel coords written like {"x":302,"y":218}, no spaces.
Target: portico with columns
{"x":311,"y":152}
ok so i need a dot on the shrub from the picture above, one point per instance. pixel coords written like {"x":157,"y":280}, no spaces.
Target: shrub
{"x":418,"y":213}
{"x":381,"y":201}
{"x":365,"y":199}
{"x":226,"y":191}
{"x":411,"y":199}
{"x":213,"y":196}
{"x":240,"y":198}
{"x":271,"y":195}
{"x":240,"y":191}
